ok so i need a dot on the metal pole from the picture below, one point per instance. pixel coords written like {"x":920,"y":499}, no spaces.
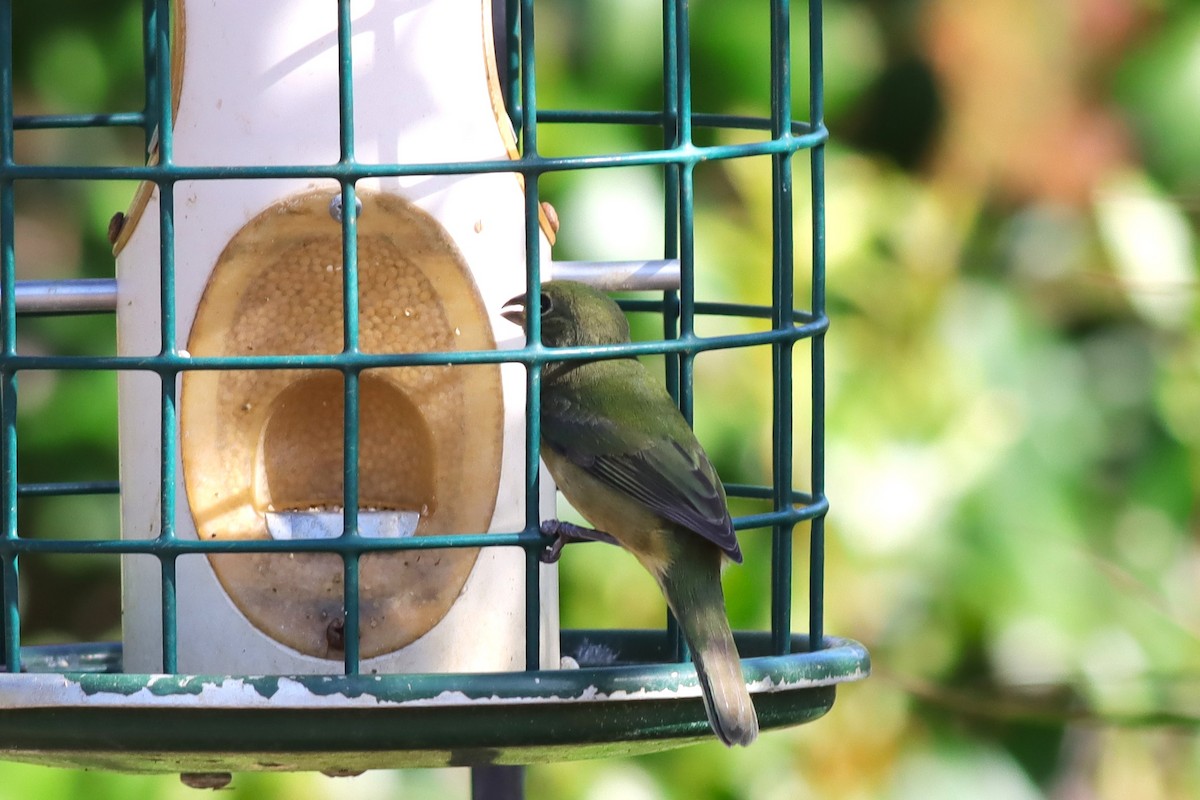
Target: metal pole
{"x":497,"y":783}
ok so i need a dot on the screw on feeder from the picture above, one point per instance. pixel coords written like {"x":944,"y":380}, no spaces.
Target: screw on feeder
{"x":205,"y":780}
{"x":551,"y":215}
{"x":115,"y":226}
{"x":335,"y":634}
{"x":335,"y":207}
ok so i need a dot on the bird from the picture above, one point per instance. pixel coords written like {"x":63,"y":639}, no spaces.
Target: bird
{"x":624,"y":456}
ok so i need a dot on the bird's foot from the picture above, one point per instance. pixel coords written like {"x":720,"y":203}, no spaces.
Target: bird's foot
{"x":565,"y":533}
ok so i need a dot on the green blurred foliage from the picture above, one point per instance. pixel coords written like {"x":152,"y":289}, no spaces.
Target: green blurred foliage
{"x":1013,"y":191}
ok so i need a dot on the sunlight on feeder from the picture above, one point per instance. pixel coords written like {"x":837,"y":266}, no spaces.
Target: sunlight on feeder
{"x":318,"y":524}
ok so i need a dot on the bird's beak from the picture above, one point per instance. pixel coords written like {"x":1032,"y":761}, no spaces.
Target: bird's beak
{"x":515,"y":314}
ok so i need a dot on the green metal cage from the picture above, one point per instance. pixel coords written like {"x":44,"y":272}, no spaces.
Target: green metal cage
{"x":190,"y":723}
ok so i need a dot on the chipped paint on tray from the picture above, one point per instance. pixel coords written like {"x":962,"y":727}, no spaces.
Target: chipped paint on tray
{"x":279,"y":692}
{"x":772,"y":674}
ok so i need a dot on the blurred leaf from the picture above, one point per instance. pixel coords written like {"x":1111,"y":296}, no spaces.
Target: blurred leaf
{"x":70,"y":73}
{"x":1159,"y":84}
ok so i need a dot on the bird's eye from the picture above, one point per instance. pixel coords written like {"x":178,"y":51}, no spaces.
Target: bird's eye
{"x":547,"y":304}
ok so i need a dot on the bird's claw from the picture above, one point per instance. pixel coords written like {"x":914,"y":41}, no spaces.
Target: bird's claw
{"x":565,"y":533}
{"x":552,"y":551}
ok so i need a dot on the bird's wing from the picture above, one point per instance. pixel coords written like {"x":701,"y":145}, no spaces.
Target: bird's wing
{"x":649,"y":453}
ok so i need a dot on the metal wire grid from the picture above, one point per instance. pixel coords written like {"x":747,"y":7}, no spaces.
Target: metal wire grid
{"x":678,"y":158}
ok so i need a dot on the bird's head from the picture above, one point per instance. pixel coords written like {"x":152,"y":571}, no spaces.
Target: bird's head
{"x":572,"y":315}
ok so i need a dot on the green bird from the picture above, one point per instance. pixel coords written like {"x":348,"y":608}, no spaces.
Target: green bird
{"x":625,"y":458}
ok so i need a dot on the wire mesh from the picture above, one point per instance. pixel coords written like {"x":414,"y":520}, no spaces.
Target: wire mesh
{"x":678,"y":158}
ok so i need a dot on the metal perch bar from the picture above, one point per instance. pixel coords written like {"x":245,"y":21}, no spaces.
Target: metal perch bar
{"x":617,"y":276}
{"x":99,"y":295}
{"x":71,"y":296}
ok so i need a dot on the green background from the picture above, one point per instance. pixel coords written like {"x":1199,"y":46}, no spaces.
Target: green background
{"x":1013,"y":386}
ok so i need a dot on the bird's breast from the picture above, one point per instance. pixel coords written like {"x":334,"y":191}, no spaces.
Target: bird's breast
{"x":638,"y":529}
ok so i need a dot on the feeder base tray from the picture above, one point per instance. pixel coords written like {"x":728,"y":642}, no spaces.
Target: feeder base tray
{"x":73,"y":707}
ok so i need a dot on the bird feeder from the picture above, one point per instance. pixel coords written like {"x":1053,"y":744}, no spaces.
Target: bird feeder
{"x":330,"y":492}
{"x":259,"y":270}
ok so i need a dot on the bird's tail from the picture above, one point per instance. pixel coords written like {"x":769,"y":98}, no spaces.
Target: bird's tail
{"x":697,"y":601}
